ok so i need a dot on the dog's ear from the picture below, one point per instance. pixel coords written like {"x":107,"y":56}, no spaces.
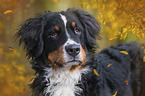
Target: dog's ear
{"x":30,"y":35}
{"x":91,"y":27}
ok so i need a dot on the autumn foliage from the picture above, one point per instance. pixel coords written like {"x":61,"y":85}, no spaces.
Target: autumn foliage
{"x":119,"y":19}
{"x":13,"y":78}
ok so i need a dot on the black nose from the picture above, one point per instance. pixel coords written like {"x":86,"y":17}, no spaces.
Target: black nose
{"x":72,"y":49}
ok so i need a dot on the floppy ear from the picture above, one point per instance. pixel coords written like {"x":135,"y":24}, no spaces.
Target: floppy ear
{"x":91,"y":27}
{"x":30,"y":35}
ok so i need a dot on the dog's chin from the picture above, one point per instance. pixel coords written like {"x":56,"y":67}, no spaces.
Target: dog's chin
{"x":72,"y":65}
{"x":74,"y":62}
{"x":69,"y":63}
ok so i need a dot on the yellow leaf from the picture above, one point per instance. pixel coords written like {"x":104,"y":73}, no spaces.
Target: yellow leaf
{"x":118,"y":33}
{"x":133,"y":31}
{"x":114,"y":8}
{"x":137,"y":37}
{"x":113,"y":38}
{"x":55,"y":0}
{"x":143,"y":58}
{"x":142,"y":35}
{"x":132,"y":19}
{"x":143,"y":19}
{"x":124,"y":52}
{"x":124,"y":36}
{"x":126,"y":82}
{"x":83,"y":4}
{"x":101,"y":16}
{"x":109,"y":65}
{"x":8,"y":11}
{"x":98,"y":17}
{"x":104,"y":22}
{"x":138,"y":31}
{"x":96,"y":72}
{"x":142,"y":47}
{"x":124,"y":30}
{"x":121,"y":36}
{"x":101,"y":21}
{"x":10,"y":48}
{"x":87,"y":6}
{"x":115,"y":94}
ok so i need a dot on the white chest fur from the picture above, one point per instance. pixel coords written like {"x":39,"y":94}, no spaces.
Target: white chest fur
{"x":62,"y":82}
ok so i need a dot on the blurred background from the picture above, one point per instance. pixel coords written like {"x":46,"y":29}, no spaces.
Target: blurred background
{"x":120,"y":20}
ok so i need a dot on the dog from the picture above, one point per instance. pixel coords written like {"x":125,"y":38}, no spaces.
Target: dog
{"x":62,"y":47}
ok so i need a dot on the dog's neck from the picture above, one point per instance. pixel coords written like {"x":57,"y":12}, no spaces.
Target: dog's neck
{"x":62,"y":81}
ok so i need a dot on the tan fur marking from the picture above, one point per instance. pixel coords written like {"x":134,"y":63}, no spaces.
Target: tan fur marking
{"x":83,"y":57}
{"x":73,"y":24}
{"x":56,"y":28}
{"x":52,"y":56}
{"x":56,"y":56}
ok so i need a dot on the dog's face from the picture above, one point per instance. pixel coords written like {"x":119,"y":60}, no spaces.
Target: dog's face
{"x":62,"y":38}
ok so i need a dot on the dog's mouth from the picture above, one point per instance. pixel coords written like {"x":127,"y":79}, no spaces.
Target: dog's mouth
{"x":73,"y":62}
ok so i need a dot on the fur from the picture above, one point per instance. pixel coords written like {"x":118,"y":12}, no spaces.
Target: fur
{"x":62,"y":47}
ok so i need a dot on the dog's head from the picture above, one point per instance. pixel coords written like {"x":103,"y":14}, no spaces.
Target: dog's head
{"x":62,"y":38}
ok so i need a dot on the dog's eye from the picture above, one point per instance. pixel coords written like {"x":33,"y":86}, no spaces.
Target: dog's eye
{"x":77,"y":30}
{"x":54,"y":34}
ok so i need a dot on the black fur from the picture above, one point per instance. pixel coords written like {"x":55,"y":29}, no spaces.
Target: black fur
{"x":33,"y":35}
{"x":112,"y":78}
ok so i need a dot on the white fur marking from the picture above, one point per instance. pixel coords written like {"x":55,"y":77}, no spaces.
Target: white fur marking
{"x":65,"y":22}
{"x":62,"y":82}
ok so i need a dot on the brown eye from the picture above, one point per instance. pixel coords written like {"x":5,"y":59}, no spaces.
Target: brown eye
{"x":77,"y":30}
{"x":53,"y":34}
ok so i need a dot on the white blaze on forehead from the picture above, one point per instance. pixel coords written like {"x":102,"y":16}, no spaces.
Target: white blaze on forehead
{"x":69,"y":41}
{"x":65,"y":22}
{"x":64,"y":19}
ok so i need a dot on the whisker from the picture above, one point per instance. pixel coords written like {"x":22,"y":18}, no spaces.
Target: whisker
{"x":58,"y":59}
{"x":56,"y":62}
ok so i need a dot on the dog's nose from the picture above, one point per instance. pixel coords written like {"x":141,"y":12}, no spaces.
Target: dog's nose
{"x":72,"y":49}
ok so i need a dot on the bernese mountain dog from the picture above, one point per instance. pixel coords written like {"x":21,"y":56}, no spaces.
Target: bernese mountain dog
{"x":62,"y":47}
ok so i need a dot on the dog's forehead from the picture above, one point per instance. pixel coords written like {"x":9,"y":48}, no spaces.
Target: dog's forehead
{"x":69,"y":24}
{"x":69,"y":17}
{"x":61,"y":19}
